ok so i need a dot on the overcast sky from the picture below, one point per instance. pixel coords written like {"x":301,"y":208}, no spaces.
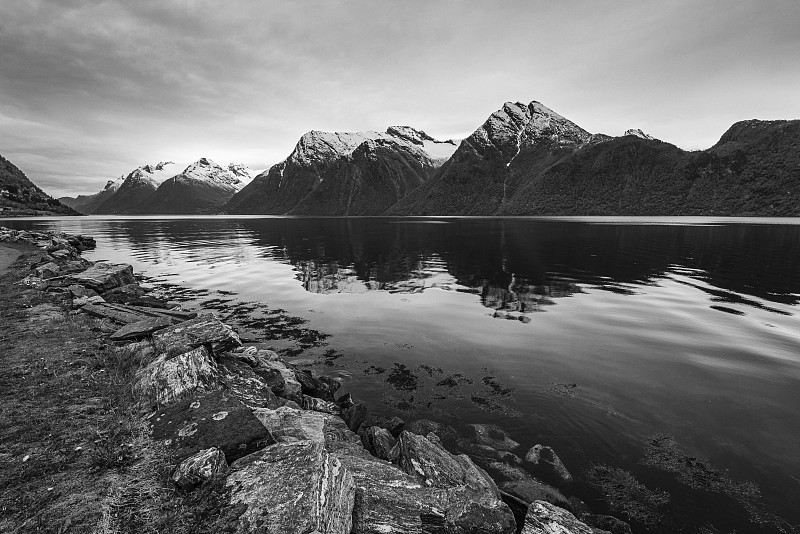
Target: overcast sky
{"x":90,"y":90}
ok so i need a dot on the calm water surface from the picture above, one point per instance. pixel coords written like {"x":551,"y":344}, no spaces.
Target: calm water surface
{"x":590,"y":335}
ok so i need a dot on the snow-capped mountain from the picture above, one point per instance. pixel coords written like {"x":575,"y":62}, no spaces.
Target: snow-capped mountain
{"x":484,"y":172}
{"x":636,"y":132}
{"x":345,"y":173}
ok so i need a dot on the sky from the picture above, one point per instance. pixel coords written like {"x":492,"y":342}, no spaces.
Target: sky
{"x":90,"y":90}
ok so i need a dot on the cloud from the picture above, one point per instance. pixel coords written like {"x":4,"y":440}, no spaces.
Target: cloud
{"x":91,"y":89}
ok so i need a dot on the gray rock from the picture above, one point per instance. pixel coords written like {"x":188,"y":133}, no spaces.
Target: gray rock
{"x":79,"y":302}
{"x":530,"y":490}
{"x":606,"y":523}
{"x":292,"y":488}
{"x":434,"y":466}
{"x":288,"y":424}
{"x":47,"y":270}
{"x":139,"y":329}
{"x":319,"y":405}
{"x":544,"y":518}
{"x":239,"y":378}
{"x":80,"y":291}
{"x":423,"y":427}
{"x":546,"y":463}
{"x":203,"y":330}
{"x":389,"y":500}
{"x":354,"y":415}
{"x":198,"y":468}
{"x":322,"y":387}
{"x":281,"y":379}
{"x":217,"y":419}
{"x":167,"y":379}
{"x":103,"y":276}
{"x":380,"y":443}
{"x":491,"y":436}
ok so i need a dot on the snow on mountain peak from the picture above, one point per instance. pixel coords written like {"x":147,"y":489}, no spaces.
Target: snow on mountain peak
{"x":206,"y":170}
{"x":636,"y":132}
{"x":320,"y":147}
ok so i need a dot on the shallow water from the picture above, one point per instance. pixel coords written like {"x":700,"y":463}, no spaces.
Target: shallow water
{"x":586,"y":334}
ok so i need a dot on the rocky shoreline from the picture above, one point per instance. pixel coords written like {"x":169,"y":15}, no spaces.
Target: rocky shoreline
{"x":284,"y":452}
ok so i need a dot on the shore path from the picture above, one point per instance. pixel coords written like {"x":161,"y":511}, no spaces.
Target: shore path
{"x":7,"y":257}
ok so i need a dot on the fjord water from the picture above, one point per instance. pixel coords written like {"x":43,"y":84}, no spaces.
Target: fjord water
{"x":590,"y":335}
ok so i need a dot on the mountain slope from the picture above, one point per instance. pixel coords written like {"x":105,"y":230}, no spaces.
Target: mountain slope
{"x":20,"y":196}
{"x":484,"y":170}
{"x":753,"y":170}
{"x":344,"y":173}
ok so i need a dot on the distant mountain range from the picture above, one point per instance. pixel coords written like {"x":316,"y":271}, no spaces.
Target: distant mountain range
{"x":202,"y":187}
{"x":525,"y":159}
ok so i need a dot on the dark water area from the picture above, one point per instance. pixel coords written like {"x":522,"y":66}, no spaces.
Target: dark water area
{"x":597,"y":336}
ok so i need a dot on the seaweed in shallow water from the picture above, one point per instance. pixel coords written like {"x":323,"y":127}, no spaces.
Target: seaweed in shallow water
{"x":627,"y":496}
{"x":662,"y":452}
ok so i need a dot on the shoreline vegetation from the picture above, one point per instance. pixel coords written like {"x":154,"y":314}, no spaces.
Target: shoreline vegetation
{"x":122,"y":412}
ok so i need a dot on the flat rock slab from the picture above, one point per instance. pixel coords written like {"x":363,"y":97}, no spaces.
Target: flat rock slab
{"x":547,"y":464}
{"x":203,"y":330}
{"x":217,"y":419}
{"x":289,"y":424}
{"x":113,"y":312}
{"x":292,"y":488}
{"x":170,"y":378}
{"x":142,"y":328}
{"x":545,"y":518}
{"x":491,"y":436}
{"x":103,"y":276}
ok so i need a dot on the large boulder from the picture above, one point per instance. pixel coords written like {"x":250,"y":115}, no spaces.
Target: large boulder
{"x":354,"y":415}
{"x":103,"y":276}
{"x":199,"y":467}
{"x":204,"y":330}
{"x":167,"y":379}
{"x":544,"y":518}
{"x":322,"y":387}
{"x":217,"y":419}
{"x":292,"y":488}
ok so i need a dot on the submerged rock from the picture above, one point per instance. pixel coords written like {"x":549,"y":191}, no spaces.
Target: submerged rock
{"x":217,"y":419}
{"x":544,"y":518}
{"x":167,"y":379}
{"x":198,"y":468}
{"x":546,"y":463}
{"x":292,"y":488}
{"x":491,"y":436}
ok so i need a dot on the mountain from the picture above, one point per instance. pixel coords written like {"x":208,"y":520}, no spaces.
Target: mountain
{"x":529,"y":160}
{"x":345,"y":173}
{"x":202,"y":187}
{"x":20,"y":196}
{"x":123,"y":194}
{"x":88,"y":203}
{"x":485,"y":170}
